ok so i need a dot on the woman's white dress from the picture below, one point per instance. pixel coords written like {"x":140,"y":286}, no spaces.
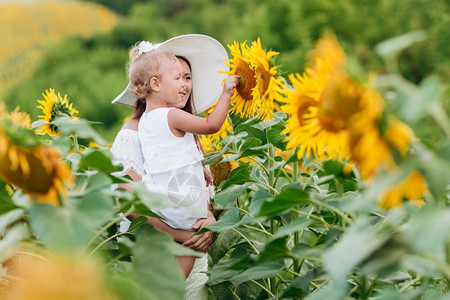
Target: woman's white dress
{"x":126,"y":149}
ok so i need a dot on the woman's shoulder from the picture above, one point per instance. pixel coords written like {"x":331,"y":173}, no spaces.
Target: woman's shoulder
{"x":131,"y":124}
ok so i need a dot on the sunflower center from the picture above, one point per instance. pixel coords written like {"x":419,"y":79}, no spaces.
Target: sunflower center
{"x":338,"y":102}
{"x":303,"y":108}
{"x":247,"y":80}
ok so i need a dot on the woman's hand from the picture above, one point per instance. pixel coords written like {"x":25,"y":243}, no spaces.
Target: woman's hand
{"x":209,"y":177}
{"x":202,"y":242}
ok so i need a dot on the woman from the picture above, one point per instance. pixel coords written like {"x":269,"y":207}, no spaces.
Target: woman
{"x":206,"y":57}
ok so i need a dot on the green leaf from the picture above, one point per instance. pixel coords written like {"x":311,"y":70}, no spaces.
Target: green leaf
{"x":299,"y":287}
{"x":98,"y":181}
{"x":357,"y":244}
{"x":230,"y":219}
{"x":81,"y":128}
{"x":230,"y":267}
{"x":258,"y":199}
{"x":11,"y":241}
{"x":212,"y":157}
{"x":276,"y":138}
{"x":69,"y":228}
{"x":332,"y":291}
{"x":8,"y":218}
{"x":259,"y":271}
{"x":6,"y":203}
{"x":98,"y":159}
{"x":416,"y":105}
{"x":333,"y":167}
{"x":296,"y":225}
{"x":227,"y":290}
{"x":155,"y":273}
{"x":305,"y":251}
{"x":274,"y":250}
{"x":224,"y":241}
{"x":289,"y":197}
{"x":428,"y":232}
{"x":153,"y":201}
{"x":250,"y":143}
{"x":225,"y":196}
{"x":391,"y":47}
{"x":240,"y":175}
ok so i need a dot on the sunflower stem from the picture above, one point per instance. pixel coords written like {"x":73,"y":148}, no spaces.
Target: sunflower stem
{"x":273,"y":222}
{"x":104,"y":228}
{"x":297,"y":234}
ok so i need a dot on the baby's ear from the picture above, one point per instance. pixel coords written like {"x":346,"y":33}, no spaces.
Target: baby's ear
{"x":154,"y":84}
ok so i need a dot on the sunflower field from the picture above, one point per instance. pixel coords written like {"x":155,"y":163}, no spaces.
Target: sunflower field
{"x":323,"y":191}
{"x":29,"y":28}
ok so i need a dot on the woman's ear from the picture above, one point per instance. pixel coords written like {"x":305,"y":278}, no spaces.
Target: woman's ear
{"x":154,"y":84}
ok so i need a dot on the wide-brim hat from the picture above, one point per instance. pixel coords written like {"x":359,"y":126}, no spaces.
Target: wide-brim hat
{"x":206,"y":57}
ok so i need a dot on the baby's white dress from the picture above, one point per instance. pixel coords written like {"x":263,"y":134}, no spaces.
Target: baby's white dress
{"x":126,"y":149}
{"x":173,"y":167}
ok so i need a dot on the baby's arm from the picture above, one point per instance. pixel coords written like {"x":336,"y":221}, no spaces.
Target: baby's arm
{"x":181,"y":121}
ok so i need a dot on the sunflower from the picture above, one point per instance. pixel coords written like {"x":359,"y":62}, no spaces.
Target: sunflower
{"x":225,"y":130}
{"x":331,"y":112}
{"x":243,"y":101}
{"x":51,"y":106}
{"x":412,"y":188}
{"x":35,"y":168}
{"x":220,"y":169}
{"x":259,"y":87}
{"x":317,"y":117}
{"x":269,"y":87}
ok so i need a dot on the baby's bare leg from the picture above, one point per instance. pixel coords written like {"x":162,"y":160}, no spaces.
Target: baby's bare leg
{"x":186,"y":263}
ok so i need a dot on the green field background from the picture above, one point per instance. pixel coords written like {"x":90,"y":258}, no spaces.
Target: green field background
{"x":89,"y":64}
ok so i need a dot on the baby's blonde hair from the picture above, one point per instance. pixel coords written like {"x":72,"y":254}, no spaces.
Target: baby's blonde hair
{"x":142,"y":67}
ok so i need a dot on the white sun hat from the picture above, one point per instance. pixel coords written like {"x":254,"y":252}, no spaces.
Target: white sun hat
{"x":206,"y":57}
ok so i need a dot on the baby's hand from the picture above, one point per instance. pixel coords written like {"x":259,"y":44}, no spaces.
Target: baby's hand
{"x":231,"y":83}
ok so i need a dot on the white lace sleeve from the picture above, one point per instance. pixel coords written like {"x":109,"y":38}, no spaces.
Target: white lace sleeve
{"x":126,"y":149}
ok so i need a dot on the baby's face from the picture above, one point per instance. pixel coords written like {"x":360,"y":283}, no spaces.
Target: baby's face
{"x":173,"y":89}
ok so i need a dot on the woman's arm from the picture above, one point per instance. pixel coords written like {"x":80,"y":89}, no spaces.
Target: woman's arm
{"x":177,"y":234}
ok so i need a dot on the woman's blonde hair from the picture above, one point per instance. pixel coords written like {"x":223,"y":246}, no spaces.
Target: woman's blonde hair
{"x":144,"y":66}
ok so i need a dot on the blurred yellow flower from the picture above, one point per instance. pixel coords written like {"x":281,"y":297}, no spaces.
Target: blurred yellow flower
{"x":36,"y":169}
{"x":411,"y":188}
{"x":317,"y":116}
{"x":51,"y":106}
{"x":333,"y":116}
{"x":55,"y":278}
{"x":400,"y":135}
{"x":225,"y":130}
{"x":20,"y":117}
{"x":327,"y":54}
{"x":370,"y":153}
